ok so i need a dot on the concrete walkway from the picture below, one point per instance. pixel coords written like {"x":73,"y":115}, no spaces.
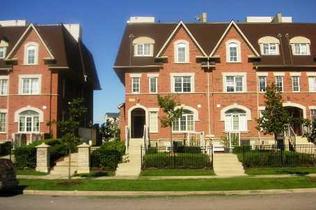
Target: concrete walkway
{"x":227,"y":165}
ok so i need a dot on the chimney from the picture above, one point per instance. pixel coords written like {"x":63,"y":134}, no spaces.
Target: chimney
{"x":74,"y":30}
{"x":202,"y":18}
{"x":277,"y":18}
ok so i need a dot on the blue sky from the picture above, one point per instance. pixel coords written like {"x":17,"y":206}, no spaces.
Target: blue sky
{"x":103,"y":22}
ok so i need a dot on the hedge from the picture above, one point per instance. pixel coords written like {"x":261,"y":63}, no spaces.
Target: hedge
{"x":176,"y":160}
{"x":256,"y":158}
{"x":25,"y":157}
{"x":5,"y":148}
{"x":240,"y":149}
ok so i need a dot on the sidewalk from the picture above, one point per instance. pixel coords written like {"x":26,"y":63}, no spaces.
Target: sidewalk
{"x":51,"y":177}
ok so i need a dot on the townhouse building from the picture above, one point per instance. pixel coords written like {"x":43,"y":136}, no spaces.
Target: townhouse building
{"x":42,"y":67}
{"x":218,"y":72}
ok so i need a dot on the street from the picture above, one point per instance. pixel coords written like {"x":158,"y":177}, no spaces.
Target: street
{"x":297,"y":201}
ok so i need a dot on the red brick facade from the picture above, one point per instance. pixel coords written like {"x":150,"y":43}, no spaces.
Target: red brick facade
{"x":210,"y":108}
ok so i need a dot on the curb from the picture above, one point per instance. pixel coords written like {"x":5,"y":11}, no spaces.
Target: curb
{"x":167,"y":193}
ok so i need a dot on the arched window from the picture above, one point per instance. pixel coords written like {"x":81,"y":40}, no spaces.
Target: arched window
{"x":300,"y":45}
{"x":181,"y":51}
{"x":31,"y":54}
{"x":143,"y":46}
{"x":235,"y":120}
{"x":185,"y":122}
{"x":233,"y":51}
{"x":269,"y":45}
{"x":29,"y":122}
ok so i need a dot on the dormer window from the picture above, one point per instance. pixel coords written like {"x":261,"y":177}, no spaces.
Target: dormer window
{"x":269,"y":45}
{"x":143,"y":46}
{"x":233,"y":51}
{"x":3,"y":49}
{"x":181,"y":51}
{"x":31,"y":54}
{"x":300,"y":45}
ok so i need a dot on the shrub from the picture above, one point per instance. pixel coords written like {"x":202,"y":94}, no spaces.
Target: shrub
{"x":114,"y":145}
{"x":152,"y":150}
{"x":184,"y":149}
{"x":241,"y":149}
{"x":25,"y":157}
{"x":5,"y":148}
{"x":177,"y":160}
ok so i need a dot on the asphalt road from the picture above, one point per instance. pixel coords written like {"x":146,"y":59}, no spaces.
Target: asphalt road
{"x":299,"y":201}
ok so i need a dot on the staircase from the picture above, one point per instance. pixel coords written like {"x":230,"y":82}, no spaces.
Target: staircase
{"x":132,"y":166}
{"x":61,"y":167}
{"x":227,"y":164}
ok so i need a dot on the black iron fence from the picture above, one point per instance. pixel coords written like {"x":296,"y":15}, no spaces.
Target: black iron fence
{"x":182,"y":157}
{"x":277,"y":156}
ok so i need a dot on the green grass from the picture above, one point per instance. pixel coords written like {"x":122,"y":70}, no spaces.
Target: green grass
{"x":279,"y":170}
{"x":177,"y":172}
{"x":31,"y":172}
{"x":239,"y":183}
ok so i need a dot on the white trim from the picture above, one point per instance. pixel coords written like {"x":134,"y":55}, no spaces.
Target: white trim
{"x":278,"y":74}
{"x":195,"y":111}
{"x":149,"y":84}
{"x":39,"y":111}
{"x":233,"y":74}
{"x":8,"y":85}
{"x":135,"y":75}
{"x":293,"y":74}
{"x":311,"y":74}
{"x":187,"y":50}
{"x":172,"y":34}
{"x":153,"y":75}
{"x":192,"y":75}
{"x":261,"y":108}
{"x":227,"y":44}
{"x":299,"y":84}
{"x":291,"y":104}
{"x":312,"y":107}
{"x":130,"y":114}
{"x":153,"y":109}
{"x":30,"y":76}
{"x":232,"y":23}
{"x":262,"y":74}
{"x":26,"y":55}
{"x":235,"y":106}
{"x":132,"y":85}
{"x":21,"y":38}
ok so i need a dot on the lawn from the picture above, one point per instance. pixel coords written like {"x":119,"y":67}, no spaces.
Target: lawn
{"x":177,"y":172}
{"x":238,"y":183}
{"x":281,"y":170}
{"x":31,"y":172}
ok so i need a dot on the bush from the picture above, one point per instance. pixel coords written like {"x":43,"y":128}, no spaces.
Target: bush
{"x":276,"y":158}
{"x":184,"y":149}
{"x":5,"y":148}
{"x":114,"y":145}
{"x":152,"y":150}
{"x":25,"y":157}
{"x":180,"y":160}
{"x":241,"y":149}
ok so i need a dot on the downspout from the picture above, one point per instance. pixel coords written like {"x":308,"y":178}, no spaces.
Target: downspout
{"x":281,"y":46}
{"x":258,"y":98}
{"x":208,"y":103}
{"x":8,"y":105}
{"x":50,"y":103}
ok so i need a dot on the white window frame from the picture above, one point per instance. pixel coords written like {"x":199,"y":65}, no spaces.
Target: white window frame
{"x":192,"y":81}
{"x":143,"y":54}
{"x":234,"y":74}
{"x":4,"y":111}
{"x":177,"y":45}
{"x":276,"y":82}
{"x":230,"y":117}
{"x":312,"y":86}
{"x":153,"y":128}
{"x":32,"y":122}
{"x":135,"y":76}
{"x":185,"y":116}
{"x":265,"y":83}
{"x":3,"y":51}
{"x":298,"y":83}
{"x":150,"y":83}
{"x":30,"y":76}
{"x":229,"y":44}
{"x":4,"y":78}
{"x":300,"y":45}
{"x":270,"y":52}
{"x":26,"y":53}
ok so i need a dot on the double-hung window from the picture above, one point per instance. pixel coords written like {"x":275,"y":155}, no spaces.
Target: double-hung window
{"x":153,"y":121}
{"x":31,"y":54}
{"x":182,"y":84}
{"x":312,"y":83}
{"x":181,"y":51}
{"x":143,"y":49}
{"x":185,"y":122}
{"x":301,"y":49}
{"x":279,"y":83}
{"x":234,"y":83}
{"x":153,"y":84}
{"x":295,"y":83}
{"x":270,"y":49}
{"x":262,"y":83}
{"x":30,"y":86}
{"x":3,"y":117}
{"x":3,"y":87}
{"x":233,"y":51}
{"x":135,"y":84}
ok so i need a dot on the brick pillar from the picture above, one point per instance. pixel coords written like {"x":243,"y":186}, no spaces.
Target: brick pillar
{"x":83,"y":158}
{"x":42,"y":158}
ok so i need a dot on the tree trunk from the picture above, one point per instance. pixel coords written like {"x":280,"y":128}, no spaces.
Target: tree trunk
{"x":171,"y":141}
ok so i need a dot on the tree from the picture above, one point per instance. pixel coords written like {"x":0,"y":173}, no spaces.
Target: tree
{"x":311,"y":134}
{"x":275,"y":116}
{"x":69,"y":127}
{"x":110,"y":129}
{"x":168,"y":104}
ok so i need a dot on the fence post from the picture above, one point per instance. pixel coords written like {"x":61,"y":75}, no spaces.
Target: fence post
{"x":83,"y":158}
{"x":42,"y":158}
{"x":141,"y":156}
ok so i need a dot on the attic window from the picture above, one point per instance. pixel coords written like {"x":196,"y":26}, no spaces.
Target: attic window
{"x":143,"y":46}
{"x":300,"y":45}
{"x":31,"y":54}
{"x":269,"y":45}
{"x":233,"y":51}
{"x":2,"y":52}
{"x":181,"y":51}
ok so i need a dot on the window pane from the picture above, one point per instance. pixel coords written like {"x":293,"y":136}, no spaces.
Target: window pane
{"x":177,"y":84}
{"x":312,"y":83}
{"x":2,"y":122}
{"x":183,"y":123}
{"x":176,"y":125}
{"x":135,"y":84}
{"x":2,"y":52}
{"x":230,"y":84}
{"x":181,"y":54}
{"x":34,"y":86}
{"x":295,"y":84}
{"x":28,"y":124}
{"x":3,"y":87}
{"x":35,"y":124}
{"x":266,"y":49}
{"x":190,"y":125}
{"x":235,"y":122}
{"x":146,"y":49}
{"x":187,"y":84}
{"x":233,"y":53}
{"x":279,"y":83}
{"x":239,"y":84}
{"x":262,"y":83}
{"x":31,"y":55}
{"x":153,"y":84}
{"x":140,"y":49}
{"x":22,"y":124}
{"x":153,"y":121}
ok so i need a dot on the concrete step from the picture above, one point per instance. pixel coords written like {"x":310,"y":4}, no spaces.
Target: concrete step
{"x":226,"y":164}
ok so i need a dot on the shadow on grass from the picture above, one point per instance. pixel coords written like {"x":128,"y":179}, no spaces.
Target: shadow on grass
{"x":298,"y":173}
{"x":12,"y":192}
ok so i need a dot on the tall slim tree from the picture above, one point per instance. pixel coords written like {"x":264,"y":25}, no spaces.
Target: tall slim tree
{"x":169,"y":105}
{"x":275,"y":116}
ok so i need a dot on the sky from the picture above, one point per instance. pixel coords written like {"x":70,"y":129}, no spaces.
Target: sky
{"x":103,"y":23}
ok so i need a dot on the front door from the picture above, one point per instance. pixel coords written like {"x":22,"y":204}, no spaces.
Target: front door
{"x":138,"y":119}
